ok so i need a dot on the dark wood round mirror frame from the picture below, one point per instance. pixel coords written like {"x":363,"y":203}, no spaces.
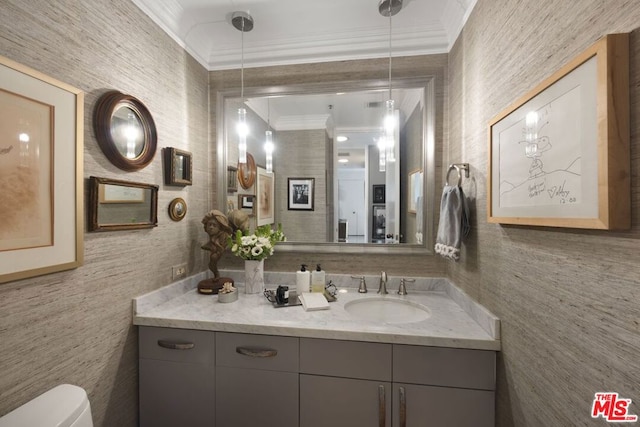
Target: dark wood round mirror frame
{"x":106,"y":106}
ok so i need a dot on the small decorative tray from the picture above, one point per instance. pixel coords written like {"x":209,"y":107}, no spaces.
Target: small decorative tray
{"x":293,"y":299}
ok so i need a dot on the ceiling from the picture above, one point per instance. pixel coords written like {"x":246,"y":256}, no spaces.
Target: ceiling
{"x":306,"y":31}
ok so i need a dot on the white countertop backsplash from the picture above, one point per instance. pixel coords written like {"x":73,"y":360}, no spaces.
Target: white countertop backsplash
{"x":456,"y":320}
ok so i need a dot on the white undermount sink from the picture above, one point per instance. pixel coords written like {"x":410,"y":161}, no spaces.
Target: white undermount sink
{"x":387,"y":310}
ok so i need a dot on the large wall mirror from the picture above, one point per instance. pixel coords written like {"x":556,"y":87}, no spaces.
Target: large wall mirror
{"x":365,"y":199}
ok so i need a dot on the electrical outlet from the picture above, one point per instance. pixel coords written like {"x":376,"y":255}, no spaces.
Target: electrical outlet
{"x":178,"y":271}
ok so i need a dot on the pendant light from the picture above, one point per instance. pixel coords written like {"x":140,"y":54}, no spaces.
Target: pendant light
{"x":243,"y":22}
{"x":268,"y":140}
{"x":386,"y":145}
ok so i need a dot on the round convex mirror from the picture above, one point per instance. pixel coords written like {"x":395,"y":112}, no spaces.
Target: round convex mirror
{"x":125,"y":131}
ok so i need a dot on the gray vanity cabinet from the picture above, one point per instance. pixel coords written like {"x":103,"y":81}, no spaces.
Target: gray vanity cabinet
{"x":447,"y":386}
{"x":343,"y":402}
{"x":344,"y":383}
{"x":177,"y":381}
{"x":203,"y":379}
{"x":256,"y":380}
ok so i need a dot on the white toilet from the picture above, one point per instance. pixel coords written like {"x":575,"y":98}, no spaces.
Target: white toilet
{"x":63,"y":406}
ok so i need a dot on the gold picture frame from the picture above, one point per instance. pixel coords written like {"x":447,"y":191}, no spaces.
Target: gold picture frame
{"x":414,"y":190}
{"x":265,"y":201}
{"x":177,"y":209}
{"x":559,"y":155}
{"x":41,"y":134}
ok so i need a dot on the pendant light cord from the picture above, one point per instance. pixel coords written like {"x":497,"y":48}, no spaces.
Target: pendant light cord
{"x":242,"y":63}
{"x":390,"y":49}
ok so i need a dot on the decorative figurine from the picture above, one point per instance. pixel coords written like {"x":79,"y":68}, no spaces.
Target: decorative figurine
{"x":219,"y":227}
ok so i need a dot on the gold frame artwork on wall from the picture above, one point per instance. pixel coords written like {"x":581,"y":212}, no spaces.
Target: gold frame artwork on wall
{"x":41,"y":142}
{"x":415,"y":190}
{"x":265,"y":197}
{"x":177,"y":209}
{"x":559,"y":156}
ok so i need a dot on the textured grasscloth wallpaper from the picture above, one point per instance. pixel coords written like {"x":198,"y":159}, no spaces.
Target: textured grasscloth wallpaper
{"x":569,"y":300}
{"x":75,"y":326}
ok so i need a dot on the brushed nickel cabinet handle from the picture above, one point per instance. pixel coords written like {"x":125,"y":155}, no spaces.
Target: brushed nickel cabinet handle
{"x":403,"y":407}
{"x":256,"y":352}
{"x":382,"y":407}
{"x":176,"y":345}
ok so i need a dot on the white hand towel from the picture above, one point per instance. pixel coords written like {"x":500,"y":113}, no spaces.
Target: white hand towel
{"x":454,"y":222}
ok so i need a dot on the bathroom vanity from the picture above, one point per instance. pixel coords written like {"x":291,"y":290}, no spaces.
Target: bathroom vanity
{"x":204,"y":363}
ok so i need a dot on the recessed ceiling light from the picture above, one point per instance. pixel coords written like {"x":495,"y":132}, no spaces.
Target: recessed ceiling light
{"x":341,"y":138}
{"x":343,"y":160}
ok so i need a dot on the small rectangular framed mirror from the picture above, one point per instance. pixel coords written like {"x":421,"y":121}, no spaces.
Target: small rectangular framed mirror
{"x":121,"y":205}
{"x":177,"y":167}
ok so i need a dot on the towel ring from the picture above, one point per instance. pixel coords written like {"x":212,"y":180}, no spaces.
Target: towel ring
{"x":458,"y":167}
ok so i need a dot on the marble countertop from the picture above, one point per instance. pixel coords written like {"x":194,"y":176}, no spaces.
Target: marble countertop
{"x":455,"y":320}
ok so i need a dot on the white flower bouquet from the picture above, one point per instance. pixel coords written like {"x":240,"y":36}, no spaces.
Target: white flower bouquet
{"x":256,"y":246}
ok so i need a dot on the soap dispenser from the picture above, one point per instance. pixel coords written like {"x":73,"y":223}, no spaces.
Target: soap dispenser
{"x":303,"y":280}
{"x":318,"y":279}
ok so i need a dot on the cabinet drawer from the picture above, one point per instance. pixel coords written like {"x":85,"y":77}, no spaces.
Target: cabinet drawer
{"x":257,"y":352}
{"x":349,"y":359}
{"x":177,"y":345}
{"x":441,"y":366}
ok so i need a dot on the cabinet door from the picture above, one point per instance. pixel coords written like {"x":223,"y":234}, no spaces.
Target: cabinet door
{"x":256,"y":398}
{"x":343,"y":402}
{"x":175,"y":394}
{"x":418,"y":405}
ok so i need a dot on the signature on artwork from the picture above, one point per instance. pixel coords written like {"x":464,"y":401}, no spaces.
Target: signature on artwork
{"x":6,"y":150}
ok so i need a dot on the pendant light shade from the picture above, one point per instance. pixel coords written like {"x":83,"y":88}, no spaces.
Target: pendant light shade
{"x":268,"y":148}
{"x":388,"y":8}
{"x":243,"y":22}
{"x":243,"y":130}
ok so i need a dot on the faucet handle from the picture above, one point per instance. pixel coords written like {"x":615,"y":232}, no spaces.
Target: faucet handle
{"x":402,"y":290}
{"x":363,"y":285}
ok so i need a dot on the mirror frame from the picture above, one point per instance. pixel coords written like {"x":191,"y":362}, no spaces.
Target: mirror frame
{"x":106,"y":106}
{"x":94,"y":201}
{"x":428,"y":156}
{"x":171,"y":165}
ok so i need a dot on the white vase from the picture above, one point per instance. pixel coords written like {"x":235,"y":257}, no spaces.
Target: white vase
{"x":253,"y":276}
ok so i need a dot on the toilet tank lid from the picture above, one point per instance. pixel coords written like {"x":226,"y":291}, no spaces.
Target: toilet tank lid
{"x":58,"y":407}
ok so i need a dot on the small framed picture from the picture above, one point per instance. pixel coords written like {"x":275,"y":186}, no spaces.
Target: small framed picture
{"x":378,"y":194}
{"x":177,"y":209}
{"x":178,"y":167}
{"x":265,"y":201}
{"x":246,"y":202}
{"x":301,"y":194}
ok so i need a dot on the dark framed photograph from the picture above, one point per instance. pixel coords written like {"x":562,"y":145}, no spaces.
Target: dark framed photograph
{"x":301,"y":194}
{"x":178,"y":167}
{"x":246,"y":202}
{"x":378,"y":194}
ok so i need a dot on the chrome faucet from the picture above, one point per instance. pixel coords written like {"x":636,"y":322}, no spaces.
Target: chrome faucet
{"x":383,"y":283}
{"x":402,"y":290}
{"x":363,"y":285}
